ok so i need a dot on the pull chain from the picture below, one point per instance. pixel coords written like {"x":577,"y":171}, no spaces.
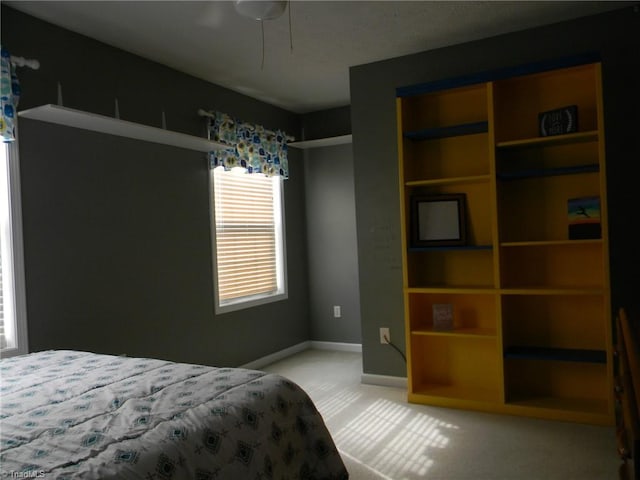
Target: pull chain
{"x":262,"y":28}
{"x":290,"y":33}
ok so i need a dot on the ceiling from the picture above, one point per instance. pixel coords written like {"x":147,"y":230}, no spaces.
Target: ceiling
{"x":211,"y":41}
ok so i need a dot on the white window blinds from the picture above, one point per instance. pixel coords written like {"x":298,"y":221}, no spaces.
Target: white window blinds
{"x":3,"y":340}
{"x":6,"y":311}
{"x":248,"y":236}
{"x":12,"y":317}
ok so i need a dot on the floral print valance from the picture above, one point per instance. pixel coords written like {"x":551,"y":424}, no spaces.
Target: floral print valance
{"x":252,"y":147}
{"x":9,"y":96}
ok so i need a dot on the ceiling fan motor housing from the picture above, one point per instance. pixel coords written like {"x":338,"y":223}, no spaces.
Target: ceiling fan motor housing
{"x":261,"y":9}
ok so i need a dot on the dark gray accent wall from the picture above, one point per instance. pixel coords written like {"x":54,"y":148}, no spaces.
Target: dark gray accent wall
{"x":331,"y":233}
{"x":117,"y":237}
{"x":373,"y":117}
{"x":334,"y":122}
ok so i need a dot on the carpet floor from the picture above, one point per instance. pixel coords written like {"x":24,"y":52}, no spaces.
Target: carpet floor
{"x":381,"y":436}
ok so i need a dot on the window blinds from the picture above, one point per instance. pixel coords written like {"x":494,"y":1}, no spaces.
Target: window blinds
{"x":246,"y":229}
{"x":3,"y":340}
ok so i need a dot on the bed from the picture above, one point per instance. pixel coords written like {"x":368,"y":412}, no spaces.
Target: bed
{"x":81,"y":415}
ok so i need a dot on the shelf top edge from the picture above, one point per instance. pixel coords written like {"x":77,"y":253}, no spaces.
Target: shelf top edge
{"x":587,"y":290}
{"x":487,"y":290}
{"x":96,"y":122}
{"x":498,"y":74}
{"x":584,"y":136}
{"x":557,"y":353}
{"x":546,"y":243}
{"x":462,"y":129}
{"x":454,"y":290}
{"x":450,"y":248}
{"x":457,"y":332}
{"x":449,"y":180}
{"x":322,"y":142}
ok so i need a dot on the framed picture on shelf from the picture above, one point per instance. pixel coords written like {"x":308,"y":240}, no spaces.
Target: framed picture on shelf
{"x":438,"y":220}
{"x":584,"y":218}
{"x":559,"y":121}
{"x":442,"y":316}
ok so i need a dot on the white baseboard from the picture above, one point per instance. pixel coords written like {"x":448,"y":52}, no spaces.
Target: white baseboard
{"x":338,"y":346}
{"x":384,"y":380}
{"x":274,"y":357}
{"x":300,"y":347}
{"x":366,"y":378}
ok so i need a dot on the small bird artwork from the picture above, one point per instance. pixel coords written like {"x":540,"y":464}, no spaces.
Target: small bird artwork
{"x":581,"y":210}
{"x":584,"y":218}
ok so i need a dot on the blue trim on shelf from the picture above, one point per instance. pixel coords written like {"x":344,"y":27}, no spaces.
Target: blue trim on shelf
{"x":561,"y":354}
{"x":448,"y":248}
{"x":450,"y":131}
{"x":549,"y":172}
{"x":498,"y":74}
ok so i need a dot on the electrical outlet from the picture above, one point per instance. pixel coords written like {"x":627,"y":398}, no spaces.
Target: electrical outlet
{"x":385,"y":336}
{"x":337,"y":312}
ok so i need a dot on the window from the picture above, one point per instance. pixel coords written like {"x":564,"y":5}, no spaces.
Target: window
{"x":13,"y":329}
{"x":248,"y":232}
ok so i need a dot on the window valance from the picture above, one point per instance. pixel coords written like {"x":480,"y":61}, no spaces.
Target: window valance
{"x":251,"y":147}
{"x":9,"y":96}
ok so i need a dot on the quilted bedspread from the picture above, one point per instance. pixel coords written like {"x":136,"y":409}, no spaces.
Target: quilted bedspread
{"x":81,"y":415}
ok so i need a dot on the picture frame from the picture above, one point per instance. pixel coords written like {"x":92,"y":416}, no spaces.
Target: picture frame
{"x":438,"y":220}
{"x":584,"y":218}
{"x":559,"y":121}
{"x":442,"y":316}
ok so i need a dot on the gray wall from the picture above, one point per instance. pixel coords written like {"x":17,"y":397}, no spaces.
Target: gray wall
{"x":116,"y":232}
{"x":614,"y":35}
{"x":137,"y":278}
{"x":331,"y":240}
{"x":331,"y":229}
{"x":333,"y":122}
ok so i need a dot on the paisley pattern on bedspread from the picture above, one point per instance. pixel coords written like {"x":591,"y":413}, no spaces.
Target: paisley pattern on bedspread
{"x":80,"y":415}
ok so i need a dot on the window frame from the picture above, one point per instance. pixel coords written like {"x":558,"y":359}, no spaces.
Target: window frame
{"x":16,"y":257}
{"x":281,"y":251}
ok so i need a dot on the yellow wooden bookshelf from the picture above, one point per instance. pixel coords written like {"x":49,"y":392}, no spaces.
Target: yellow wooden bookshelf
{"x":531,"y":331}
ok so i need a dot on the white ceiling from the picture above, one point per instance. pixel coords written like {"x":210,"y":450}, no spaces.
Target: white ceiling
{"x":211,"y":41}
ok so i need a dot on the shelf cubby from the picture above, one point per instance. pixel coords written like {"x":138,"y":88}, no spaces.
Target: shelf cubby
{"x":575,"y":390}
{"x":456,"y":365}
{"x":569,"y":265}
{"x":449,"y":268}
{"x":536,"y":208}
{"x":519,"y":100}
{"x":446,"y":159}
{"x":570,"y":150}
{"x":563,"y":321}
{"x":477,"y":205}
{"x":458,"y":106}
{"x":474,"y":314}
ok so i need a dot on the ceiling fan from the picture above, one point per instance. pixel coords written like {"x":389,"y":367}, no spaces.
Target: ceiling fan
{"x":261,"y":9}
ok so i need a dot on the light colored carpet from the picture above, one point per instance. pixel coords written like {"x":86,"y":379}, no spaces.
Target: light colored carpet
{"x":381,"y":436}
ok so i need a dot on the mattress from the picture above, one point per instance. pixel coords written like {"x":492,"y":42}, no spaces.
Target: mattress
{"x":81,"y":415}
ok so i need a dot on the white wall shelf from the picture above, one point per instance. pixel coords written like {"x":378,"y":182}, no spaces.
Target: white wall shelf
{"x":322,"y":142}
{"x":115,"y":126}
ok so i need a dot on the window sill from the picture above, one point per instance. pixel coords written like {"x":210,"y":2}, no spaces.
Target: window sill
{"x":249,"y":303}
